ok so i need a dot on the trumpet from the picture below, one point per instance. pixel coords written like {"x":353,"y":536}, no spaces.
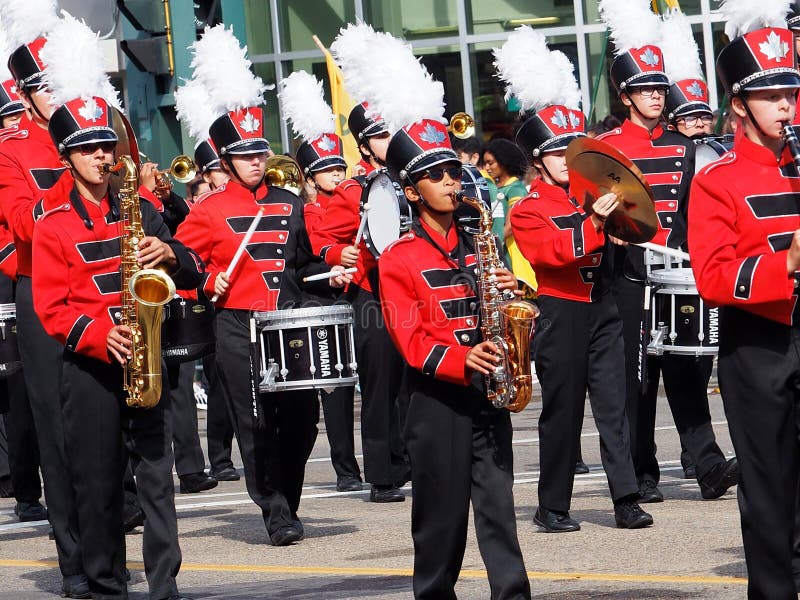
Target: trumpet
{"x":182,"y":169}
{"x":284,"y":172}
{"x":462,"y":125}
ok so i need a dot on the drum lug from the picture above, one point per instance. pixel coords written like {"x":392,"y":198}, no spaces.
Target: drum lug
{"x":656,"y":345}
{"x":268,"y":377}
{"x":3,"y":330}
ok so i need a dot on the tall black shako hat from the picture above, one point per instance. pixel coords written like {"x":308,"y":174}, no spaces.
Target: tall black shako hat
{"x":362,"y":126}
{"x":418,"y":147}
{"x":635,"y":31}
{"x":235,"y":94}
{"x":10,"y":102}
{"x":793,"y":19}
{"x":543,"y":82}
{"x":84,"y":113}
{"x":688,"y":92}
{"x":26,"y":23}
{"x":206,"y":157}
{"x":302,"y":101}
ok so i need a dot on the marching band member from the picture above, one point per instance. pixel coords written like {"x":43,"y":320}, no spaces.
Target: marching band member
{"x":380,"y":367}
{"x":76,"y":286}
{"x":744,"y":238}
{"x":578,"y":343}
{"x":321,"y":159}
{"x":459,"y":444}
{"x":667,"y":161}
{"x":29,"y":165}
{"x":275,"y":449}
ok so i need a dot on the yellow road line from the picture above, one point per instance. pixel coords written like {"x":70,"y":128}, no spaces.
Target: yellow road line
{"x":388,"y":572}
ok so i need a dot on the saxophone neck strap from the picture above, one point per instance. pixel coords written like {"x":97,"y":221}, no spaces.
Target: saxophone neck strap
{"x":80,"y":208}
{"x":458,"y":254}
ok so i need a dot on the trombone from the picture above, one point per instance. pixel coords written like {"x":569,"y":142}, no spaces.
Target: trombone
{"x":462,"y":125}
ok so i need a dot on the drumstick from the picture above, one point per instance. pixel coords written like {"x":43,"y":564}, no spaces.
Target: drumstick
{"x":328,"y":275}
{"x":679,"y":254}
{"x":362,"y":225}
{"x":240,"y":250}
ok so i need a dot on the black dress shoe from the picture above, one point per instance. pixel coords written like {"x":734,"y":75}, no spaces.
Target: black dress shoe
{"x":690,"y":472}
{"x":30,"y":511}
{"x":348,"y":483}
{"x":179,"y":597}
{"x":581,"y":468}
{"x":298,"y":524}
{"x":629,"y":515}
{"x":226,"y":474}
{"x":284,"y":536}
{"x":722,"y":476}
{"x":132,"y":519}
{"x":649,"y":493}
{"x":75,"y":586}
{"x":380,"y":493}
{"x":197,"y":482}
{"x":555,"y":521}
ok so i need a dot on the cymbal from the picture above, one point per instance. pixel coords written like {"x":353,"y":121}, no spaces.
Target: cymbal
{"x":597,"y":168}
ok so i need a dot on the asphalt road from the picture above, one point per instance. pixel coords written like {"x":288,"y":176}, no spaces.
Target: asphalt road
{"x":356,"y":549}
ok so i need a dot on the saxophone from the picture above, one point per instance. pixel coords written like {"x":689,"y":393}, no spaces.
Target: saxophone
{"x":144,"y":293}
{"x":506,"y":322}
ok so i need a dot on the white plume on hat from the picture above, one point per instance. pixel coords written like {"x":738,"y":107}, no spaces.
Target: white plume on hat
{"x":193,"y":106}
{"x":681,"y":54}
{"x":5,"y":52}
{"x":744,"y":16}
{"x":631,"y":24}
{"x":26,"y":20}
{"x":303,"y":103}
{"x":75,"y":67}
{"x":401,"y":91}
{"x":221,"y":65}
{"x":535,"y":75}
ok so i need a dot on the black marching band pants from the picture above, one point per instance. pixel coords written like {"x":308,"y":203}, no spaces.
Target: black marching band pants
{"x":274,"y":458}
{"x":685,"y":383}
{"x":219,"y":430}
{"x":337,"y":406}
{"x":102,"y":433}
{"x":41,"y":365}
{"x":759,"y":376}
{"x":188,"y":453}
{"x":460,"y":451}
{"x":578,"y":347}
{"x":380,"y":374}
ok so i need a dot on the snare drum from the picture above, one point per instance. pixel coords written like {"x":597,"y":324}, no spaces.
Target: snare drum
{"x":389,"y":214}
{"x":306,"y":348}
{"x":10,"y":362}
{"x":681,"y":323}
{"x":188,"y":330}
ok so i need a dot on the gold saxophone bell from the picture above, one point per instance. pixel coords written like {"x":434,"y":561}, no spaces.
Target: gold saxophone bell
{"x":284,"y":172}
{"x":462,"y":125}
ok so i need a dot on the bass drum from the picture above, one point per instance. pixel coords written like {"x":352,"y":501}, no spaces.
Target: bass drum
{"x":473,"y":185}
{"x":188,"y":330}
{"x":389,"y":214}
{"x":709,"y":149}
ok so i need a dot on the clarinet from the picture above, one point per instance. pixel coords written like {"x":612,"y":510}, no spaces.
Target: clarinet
{"x":790,"y":136}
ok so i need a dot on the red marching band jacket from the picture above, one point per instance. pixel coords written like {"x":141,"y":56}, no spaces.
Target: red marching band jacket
{"x":29,"y":166}
{"x":277,"y":257}
{"x":76,"y":287}
{"x":314,"y":212}
{"x":666,"y":159}
{"x":745,"y":208}
{"x":338,"y":230}
{"x":560,"y":241}
{"x":430,"y":308}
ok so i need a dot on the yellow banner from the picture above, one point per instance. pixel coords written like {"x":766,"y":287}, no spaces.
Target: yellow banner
{"x":342,"y":104}
{"x":662,"y":6}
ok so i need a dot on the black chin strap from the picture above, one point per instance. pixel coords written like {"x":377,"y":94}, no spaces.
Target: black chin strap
{"x":636,"y":108}
{"x":752,"y":117}
{"x":34,"y":107}
{"x":235,"y":174}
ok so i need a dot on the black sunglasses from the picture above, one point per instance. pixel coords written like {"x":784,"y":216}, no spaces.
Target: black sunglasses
{"x":436,"y":174}
{"x":92,"y":147}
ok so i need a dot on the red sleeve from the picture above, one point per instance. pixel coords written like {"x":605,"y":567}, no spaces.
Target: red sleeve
{"x":19,"y":202}
{"x":401,"y":312}
{"x":543,"y":244}
{"x":313,"y":214}
{"x":722,"y":276}
{"x":196,"y":232}
{"x":151,"y":198}
{"x":340,"y":224}
{"x":51,"y":292}
{"x":8,"y":254}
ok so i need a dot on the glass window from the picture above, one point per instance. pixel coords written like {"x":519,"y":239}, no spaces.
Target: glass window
{"x":505,"y":15}
{"x":272,"y":125}
{"x":494,"y":115}
{"x":300,"y":19}
{"x":413,"y":19}
{"x":259,"y":27}
{"x":602,"y":95}
{"x":591,"y":11}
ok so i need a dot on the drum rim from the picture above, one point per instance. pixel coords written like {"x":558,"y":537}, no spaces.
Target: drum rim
{"x":309,"y":384}
{"x":303,"y":312}
{"x":663,"y":276}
